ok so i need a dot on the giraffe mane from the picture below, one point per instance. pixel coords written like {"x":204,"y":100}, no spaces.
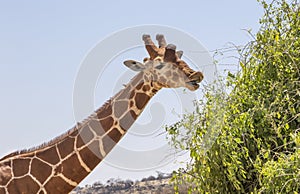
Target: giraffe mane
{"x":60,"y":137}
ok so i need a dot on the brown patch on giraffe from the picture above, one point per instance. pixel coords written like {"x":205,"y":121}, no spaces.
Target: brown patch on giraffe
{"x":127,"y":120}
{"x":131,"y":103}
{"x":2,"y":190}
{"x":105,"y":110}
{"x":91,"y":155}
{"x":133,"y":114}
{"x":146,"y":88}
{"x":139,"y":86}
{"x":40,"y":175}
{"x":66,"y":147}
{"x":94,"y":147}
{"x":163,"y":80}
{"x":20,"y":167}
{"x":107,"y":123}
{"x":79,"y":142}
{"x":108,"y":144}
{"x":72,"y":169}
{"x":141,"y":100}
{"x":175,"y":76}
{"x":154,"y":90}
{"x":54,"y":185}
{"x":120,"y":107}
{"x":115,"y":135}
{"x":85,"y":136}
{"x":23,"y":185}
{"x":168,"y":73}
{"x":5,"y":173}
{"x":96,"y":127}
{"x":50,"y":155}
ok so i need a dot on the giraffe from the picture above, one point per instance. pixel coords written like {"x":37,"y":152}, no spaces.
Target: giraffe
{"x":61,"y":164}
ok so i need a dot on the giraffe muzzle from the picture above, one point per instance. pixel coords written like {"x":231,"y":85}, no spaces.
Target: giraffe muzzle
{"x":194,"y":80}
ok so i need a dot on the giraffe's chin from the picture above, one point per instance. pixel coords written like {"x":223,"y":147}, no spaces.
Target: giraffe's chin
{"x":192,"y":86}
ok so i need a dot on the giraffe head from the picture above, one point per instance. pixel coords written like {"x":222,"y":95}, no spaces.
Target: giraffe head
{"x":164,"y":67}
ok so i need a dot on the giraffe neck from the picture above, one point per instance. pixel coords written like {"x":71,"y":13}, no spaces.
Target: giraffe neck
{"x":59,"y":166}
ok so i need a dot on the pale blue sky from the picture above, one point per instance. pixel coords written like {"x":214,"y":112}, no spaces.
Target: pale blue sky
{"x":42,"y":44}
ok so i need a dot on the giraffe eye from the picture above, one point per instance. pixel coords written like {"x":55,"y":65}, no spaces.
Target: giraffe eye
{"x":159,"y":66}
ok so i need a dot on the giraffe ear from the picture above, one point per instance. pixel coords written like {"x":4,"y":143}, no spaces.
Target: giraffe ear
{"x":179,"y":54}
{"x":134,"y":65}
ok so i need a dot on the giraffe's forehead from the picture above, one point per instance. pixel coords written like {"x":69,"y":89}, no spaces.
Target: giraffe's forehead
{"x":153,"y":63}
{"x":157,"y":60}
{"x":160,"y":67}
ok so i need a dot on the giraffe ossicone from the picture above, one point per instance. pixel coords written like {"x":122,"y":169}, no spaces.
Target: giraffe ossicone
{"x":61,"y":164}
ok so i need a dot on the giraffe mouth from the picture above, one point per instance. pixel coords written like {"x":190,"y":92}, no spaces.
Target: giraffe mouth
{"x":193,"y":85}
{"x":194,"y":80}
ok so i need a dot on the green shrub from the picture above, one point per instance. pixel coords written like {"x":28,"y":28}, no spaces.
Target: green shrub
{"x":248,"y":141}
